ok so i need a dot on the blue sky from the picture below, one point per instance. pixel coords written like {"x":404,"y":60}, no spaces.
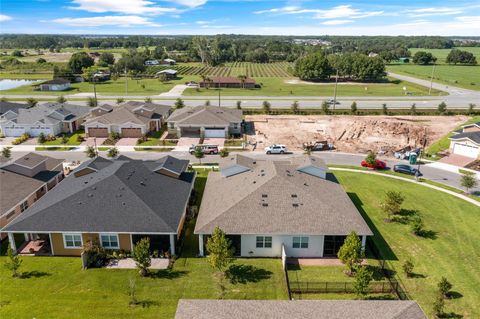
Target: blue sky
{"x":291,"y":17}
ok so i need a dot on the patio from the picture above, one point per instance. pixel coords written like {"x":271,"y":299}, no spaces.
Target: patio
{"x":129,"y":263}
{"x":39,"y":247}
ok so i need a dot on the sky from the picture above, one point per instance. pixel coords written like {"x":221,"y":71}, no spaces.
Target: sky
{"x":264,"y":17}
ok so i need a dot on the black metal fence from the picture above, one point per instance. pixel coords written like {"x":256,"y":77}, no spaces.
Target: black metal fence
{"x":309,"y":287}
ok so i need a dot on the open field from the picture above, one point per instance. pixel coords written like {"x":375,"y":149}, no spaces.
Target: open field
{"x":351,"y":133}
{"x":467,"y":77}
{"x":450,"y":248}
{"x":284,"y":87}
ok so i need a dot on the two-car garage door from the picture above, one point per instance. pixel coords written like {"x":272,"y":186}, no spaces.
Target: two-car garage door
{"x":466,"y":150}
{"x":131,"y":132}
{"x":214,"y":133}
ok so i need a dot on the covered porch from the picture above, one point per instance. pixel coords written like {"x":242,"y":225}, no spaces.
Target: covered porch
{"x":160,"y":243}
{"x":31,"y":244}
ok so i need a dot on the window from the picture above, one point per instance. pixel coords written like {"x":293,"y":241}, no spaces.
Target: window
{"x":264,"y":242}
{"x":109,"y":241}
{"x":72,"y":240}
{"x":23,"y":206}
{"x":300,"y":242}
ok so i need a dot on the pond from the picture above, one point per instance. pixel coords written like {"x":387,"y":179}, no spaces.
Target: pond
{"x":6,"y":84}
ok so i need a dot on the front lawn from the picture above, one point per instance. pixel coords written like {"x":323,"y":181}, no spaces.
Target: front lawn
{"x":451,"y":246}
{"x":72,"y":139}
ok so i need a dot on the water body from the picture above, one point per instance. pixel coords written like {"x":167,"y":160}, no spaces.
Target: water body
{"x":6,"y":84}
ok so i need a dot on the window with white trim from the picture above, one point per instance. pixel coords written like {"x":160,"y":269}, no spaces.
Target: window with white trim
{"x":264,"y":242}
{"x":72,"y":240}
{"x":24,"y":206}
{"x":109,"y":241}
{"x":300,"y":242}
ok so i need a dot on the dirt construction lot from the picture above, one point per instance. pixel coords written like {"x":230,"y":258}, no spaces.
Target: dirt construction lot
{"x":356,"y":134}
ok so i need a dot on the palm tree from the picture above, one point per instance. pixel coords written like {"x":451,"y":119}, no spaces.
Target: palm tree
{"x":243,"y":79}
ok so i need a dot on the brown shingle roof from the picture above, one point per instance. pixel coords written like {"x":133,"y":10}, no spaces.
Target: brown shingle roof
{"x":206,"y":115}
{"x":274,"y":197}
{"x":301,"y":309}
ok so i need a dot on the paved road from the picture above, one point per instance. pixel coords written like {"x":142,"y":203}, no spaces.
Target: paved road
{"x":432,"y":173}
{"x":457,"y":98}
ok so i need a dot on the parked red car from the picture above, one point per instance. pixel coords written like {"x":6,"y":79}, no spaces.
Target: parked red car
{"x":378,"y":164}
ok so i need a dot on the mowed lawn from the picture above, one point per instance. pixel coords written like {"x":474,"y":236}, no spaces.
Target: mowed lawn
{"x":452,"y":249}
{"x":271,"y":86}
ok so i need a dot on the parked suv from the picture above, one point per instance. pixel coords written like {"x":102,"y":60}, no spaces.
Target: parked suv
{"x":276,"y":149}
{"x":206,"y":149}
{"x":406,"y":169}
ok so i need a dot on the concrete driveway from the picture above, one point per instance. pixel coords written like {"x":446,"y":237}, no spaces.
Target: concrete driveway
{"x":91,"y":141}
{"x":177,"y":90}
{"x":127,"y":141}
{"x":6,"y":140}
{"x":184,"y":143}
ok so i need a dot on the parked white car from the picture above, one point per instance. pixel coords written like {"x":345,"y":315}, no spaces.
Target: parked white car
{"x":276,"y":149}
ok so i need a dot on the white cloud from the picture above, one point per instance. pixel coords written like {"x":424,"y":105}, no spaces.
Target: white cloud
{"x":284,"y":10}
{"x":337,"y":22}
{"x":190,"y":3}
{"x":122,"y":21}
{"x":342,"y":11}
{"x":426,"y":12}
{"x":121,"y":6}
{"x":4,"y":17}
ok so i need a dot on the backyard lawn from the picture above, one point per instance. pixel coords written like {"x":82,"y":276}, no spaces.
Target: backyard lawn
{"x":278,"y":87}
{"x":451,"y":246}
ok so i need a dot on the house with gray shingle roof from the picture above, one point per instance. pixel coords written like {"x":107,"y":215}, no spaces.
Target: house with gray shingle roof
{"x":299,"y":309}
{"x":264,"y":204}
{"x":206,"y":121}
{"x":48,"y":118}
{"x":114,"y":202}
{"x":25,"y":180}
{"x":466,"y":141}
{"x":131,"y":119}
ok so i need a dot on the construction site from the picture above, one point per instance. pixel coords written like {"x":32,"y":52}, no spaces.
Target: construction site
{"x":353,"y":134}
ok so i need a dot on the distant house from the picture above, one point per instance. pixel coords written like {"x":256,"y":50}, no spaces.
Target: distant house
{"x":228,"y":82}
{"x":169,"y":61}
{"x":58,"y":84}
{"x":132,"y":119}
{"x":206,"y":121}
{"x":152,"y":62}
{"x":263,"y":205}
{"x":298,"y":309}
{"x":11,"y":107}
{"x":466,"y":141}
{"x":49,"y":118}
{"x":169,"y":74}
{"x":101,"y":76}
{"x":28,"y":178}
{"x":113,"y":202}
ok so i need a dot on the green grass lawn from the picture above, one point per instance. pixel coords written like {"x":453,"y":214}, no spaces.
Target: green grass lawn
{"x":463,"y":76}
{"x":143,"y":87}
{"x":278,"y":87}
{"x":450,"y":250}
{"x":444,"y":143}
{"x":72,"y":139}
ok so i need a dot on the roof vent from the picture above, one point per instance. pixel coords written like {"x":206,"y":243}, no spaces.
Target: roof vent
{"x":254,"y":162}
{"x":294,"y":195}
{"x":90,"y":195}
{"x":264,"y":195}
{"x":143,"y":183}
{"x":295,"y":205}
{"x":94,"y":187}
{"x":254,"y":182}
{"x":305,"y":184}
{"x":86,"y":182}
{"x":124,"y":203}
{"x":265,"y":204}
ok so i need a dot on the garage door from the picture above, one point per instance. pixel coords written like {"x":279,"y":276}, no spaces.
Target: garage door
{"x":215,"y":132}
{"x":466,"y":150}
{"x":13,"y":131}
{"x":97,"y":132}
{"x":37,"y":131}
{"x":131,"y":132}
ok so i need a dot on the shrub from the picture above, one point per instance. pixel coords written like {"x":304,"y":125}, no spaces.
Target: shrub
{"x":91,"y":101}
{"x":417,"y":225}
{"x":468,"y":180}
{"x":295,"y":107}
{"x":21,"y":139}
{"x":384,"y":109}
{"x":223,"y":152}
{"x":113,"y":152}
{"x":351,"y":252}
{"x":444,"y":287}
{"x":96,"y":255}
{"x":325,"y":107}
{"x":61,"y":99}
{"x":353,"y":107}
{"x":363,"y":277}
{"x":179,"y":103}
{"x":371,"y":158}
{"x":41,"y":138}
{"x":141,"y":255}
{"x":148,"y":99}
{"x":220,"y":250}
{"x":41,"y":61}
{"x":7,"y":152}
{"x":91,"y":152}
{"x":438,"y":306}
{"x":267,"y":107}
{"x":120,"y":100}
{"x":13,"y":262}
{"x":442,"y":107}
{"x":32,"y":102}
{"x":239,"y":105}
{"x":393,"y":203}
{"x":407,"y":267}
{"x":114,"y":136}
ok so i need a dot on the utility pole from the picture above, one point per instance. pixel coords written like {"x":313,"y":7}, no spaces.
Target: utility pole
{"x":431,"y":80}
{"x":219,"y":97}
{"x":335,"y":91}
{"x":95,"y":145}
{"x":126,"y":82}
{"x":94,"y":90}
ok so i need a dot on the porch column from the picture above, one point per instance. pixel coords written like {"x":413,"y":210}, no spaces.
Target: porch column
{"x":11,"y":240}
{"x":172,"y":244}
{"x":51,"y":244}
{"x":200,"y":245}
{"x":364,"y":241}
{"x":27,"y":237}
{"x":70,"y":126}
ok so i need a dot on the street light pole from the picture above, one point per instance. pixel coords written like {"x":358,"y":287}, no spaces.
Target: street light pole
{"x":431,"y":81}
{"x":126,"y":82}
{"x":219,"y":97}
{"x":94,"y":90}
{"x":335,"y":91}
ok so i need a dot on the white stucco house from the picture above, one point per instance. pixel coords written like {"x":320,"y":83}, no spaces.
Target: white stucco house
{"x":466,"y":141}
{"x":263,"y":205}
{"x":55,"y":85}
{"x":49,"y":118}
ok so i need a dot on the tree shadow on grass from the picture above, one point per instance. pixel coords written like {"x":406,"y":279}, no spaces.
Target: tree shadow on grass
{"x":380,"y":242}
{"x":428,"y":234}
{"x":379,"y":274}
{"x":451,"y":315}
{"x":243,"y":274}
{"x":380,"y":297}
{"x":167,"y":274}
{"x":34,"y":274}
{"x":415,"y":275}
{"x":454,"y":295}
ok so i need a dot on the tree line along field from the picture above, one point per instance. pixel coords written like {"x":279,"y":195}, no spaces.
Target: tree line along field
{"x":464,"y":76}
